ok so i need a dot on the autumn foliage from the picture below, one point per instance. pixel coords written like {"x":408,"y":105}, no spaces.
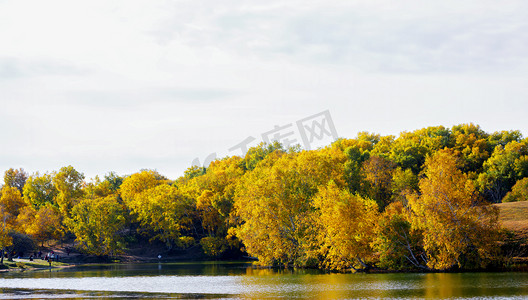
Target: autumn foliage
{"x":418,"y":201}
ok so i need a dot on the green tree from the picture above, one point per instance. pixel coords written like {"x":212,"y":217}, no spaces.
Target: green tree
{"x":472,"y":145}
{"x":505,"y":166}
{"x":192,"y":172}
{"x":519,"y":191}
{"x":410,"y":149}
{"x":357,"y":151}
{"x":39,"y":190}
{"x":404,"y":182}
{"x":504,"y":137}
{"x":399,"y":245}
{"x":378,"y":173}
{"x":114,"y":181}
{"x":15,"y":178}
{"x":256,"y":154}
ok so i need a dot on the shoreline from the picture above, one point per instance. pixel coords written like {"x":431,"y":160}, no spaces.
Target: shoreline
{"x":23,"y":264}
{"x":521,"y":266}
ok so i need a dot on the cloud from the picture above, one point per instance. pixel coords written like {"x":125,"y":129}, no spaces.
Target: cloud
{"x":133,"y":97}
{"x":158,"y":83}
{"x":377,"y":37}
{"x":9,"y":69}
{"x":13,"y":68}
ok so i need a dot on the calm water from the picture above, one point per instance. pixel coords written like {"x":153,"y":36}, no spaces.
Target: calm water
{"x":240,"y":281}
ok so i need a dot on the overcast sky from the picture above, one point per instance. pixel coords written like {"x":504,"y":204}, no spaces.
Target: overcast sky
{"x":125,"y":85}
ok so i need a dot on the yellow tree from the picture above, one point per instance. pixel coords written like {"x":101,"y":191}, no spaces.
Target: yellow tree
{"x":258,"y":230}
{"x":165,"y":212}
{"x":98,"y":188}
{"x":346,"y":228}
{"x":5,"y":238}
{"x":69,"y":183}
{"x":137,"y":183}
{"x":96,"y":223}
{"x":274,"y":204}
{"x":42,"y":225}
{"x":397,"y":244}
{"x":214,"y":193}
{"x":12,"y":203}
{"x":458,"y":228}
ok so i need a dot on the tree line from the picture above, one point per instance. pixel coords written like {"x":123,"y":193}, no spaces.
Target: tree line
{"x":421,"y":200}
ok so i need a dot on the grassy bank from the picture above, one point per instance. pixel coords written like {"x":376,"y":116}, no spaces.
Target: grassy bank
{"x":26,"y":264}
{"x":514,"y":219}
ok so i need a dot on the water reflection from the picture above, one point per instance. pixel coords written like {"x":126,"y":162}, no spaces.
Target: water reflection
{"x":72,"y":295}
{"x":241,"y":280}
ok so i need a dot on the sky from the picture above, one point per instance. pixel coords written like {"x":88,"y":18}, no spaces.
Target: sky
{"x":126,"y":85}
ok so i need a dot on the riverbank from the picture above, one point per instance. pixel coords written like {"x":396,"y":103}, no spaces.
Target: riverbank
{"x":73,"y":258}
{"x":513,"y":218}
{"x":139,"y":252}
{"x":22,"y":264}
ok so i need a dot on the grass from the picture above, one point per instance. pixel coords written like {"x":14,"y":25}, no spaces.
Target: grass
{"x":35,"y":264}
{"x":514,"y":216}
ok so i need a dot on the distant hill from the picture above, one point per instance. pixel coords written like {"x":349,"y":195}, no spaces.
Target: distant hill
{"x":514,"y":216}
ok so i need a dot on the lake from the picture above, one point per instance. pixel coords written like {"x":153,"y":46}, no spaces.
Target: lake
{"x":236,"y":280}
